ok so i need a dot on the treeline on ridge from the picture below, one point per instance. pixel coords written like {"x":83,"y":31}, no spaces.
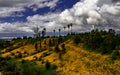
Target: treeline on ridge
{"x":100,"y":41}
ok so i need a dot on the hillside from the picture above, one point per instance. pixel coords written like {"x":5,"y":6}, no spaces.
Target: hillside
{"x":76,"y":60}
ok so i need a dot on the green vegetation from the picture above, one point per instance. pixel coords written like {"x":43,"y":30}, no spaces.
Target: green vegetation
{"x":49,"y":56}
{"x":13,"y":67}
{"x":4,"y":44}
{"x":101,"y":41}
{"x":115,"y":55}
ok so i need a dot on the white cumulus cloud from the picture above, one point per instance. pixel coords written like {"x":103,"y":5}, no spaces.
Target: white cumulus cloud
{"x":84,"y":14}
{"x":8,"y":7}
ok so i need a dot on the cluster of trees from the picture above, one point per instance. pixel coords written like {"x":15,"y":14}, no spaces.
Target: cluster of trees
{"x":100,"y":41}
{"x":103,"y":41}
{"x":4,"y":44}
{"x":69,"y":26}
{"x":38,"y":33}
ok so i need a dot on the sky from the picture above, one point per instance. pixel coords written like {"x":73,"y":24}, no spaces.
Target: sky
{"x":19,"y":17}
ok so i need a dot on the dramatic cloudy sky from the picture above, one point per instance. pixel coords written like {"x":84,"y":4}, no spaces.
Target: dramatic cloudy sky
{"x":19,"y":17}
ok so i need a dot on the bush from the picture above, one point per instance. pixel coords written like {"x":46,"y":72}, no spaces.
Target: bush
{"x":36,"y":46}
{"x":2,"y":62}
{"x":12,"y":67}
{"x":47,"y":65}
{"x":57,"y":49}
{"x":77,"y":39}
{"x":19,"y":55}
{"x":45,"y":42}
{"x":25,"y":53}
{"x":63,"y":48}
{"x":12,"y":53}
{"x":35,"y":57}
{"x":8,"y":57}
{"x":32,"y":40}
{"x":51,"y":43}
{"x":100,"y":41}
{"x":60,"y":40}
{"x":93,"y":40}
{"x":115,"y":55}
{"x":53,"y":67}
{"x":4,"y":44}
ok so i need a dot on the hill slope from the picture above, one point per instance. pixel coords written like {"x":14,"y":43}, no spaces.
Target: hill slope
{"x":75,"y":61}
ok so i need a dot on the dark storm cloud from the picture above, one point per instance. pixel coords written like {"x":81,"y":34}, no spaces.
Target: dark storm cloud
{"x":11,"y":3}
{"x":115,"y":0}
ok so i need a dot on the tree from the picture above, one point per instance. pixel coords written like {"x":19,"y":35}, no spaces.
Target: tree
{"x":57,"y":49}
{"x":63,"y":48}
{"x":43,"y":32}
{"x":71,"y":27}
{"x":77,"y":39}
{"x":109,"y":42}
{"x":54,"y":32}
{"x":36,"y":31}
{"x":12,"y":68}
{"x":39,"y":34}
{"x":47,"y":65}
{"x":59,"y":31}
{"x":36,"y":46}
{"x":64,"y":29}
{"x":115,"y":55}
{"x":24,"y":37}
{"x":93,"y":40}
{"x":68,"y":28}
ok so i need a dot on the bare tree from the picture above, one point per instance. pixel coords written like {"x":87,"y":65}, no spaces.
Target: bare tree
{"x":36,"y":31}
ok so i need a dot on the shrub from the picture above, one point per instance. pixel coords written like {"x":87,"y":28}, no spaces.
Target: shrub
{"x":25,"y":52}
{"x":115,"y":55}
{"x":4,"y":44}
{"x":63,"y":48}
{"x":50,"y":43}
{"x":77,"y":39}
{"x":53,"y":67}
{"x":40,"y":58}
{"x":60,"y":40}
{"x":24,"y":37}
{"x":57,"y":49}
{"x":60,"y":55}
{"x":36,"y":46}
{"x":2,"y":62}
{"x":12,"y":53}
{"x":12,"y":68}
{"x":8,"y":57}
{"x":47,"y":65}
{"x":25,"y":67}
{"x":32,"y":40}
{"x":45,"y":42}
{"x":19,"y":55}
{"x":35,"y":57}
{"x":45,"y":54}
